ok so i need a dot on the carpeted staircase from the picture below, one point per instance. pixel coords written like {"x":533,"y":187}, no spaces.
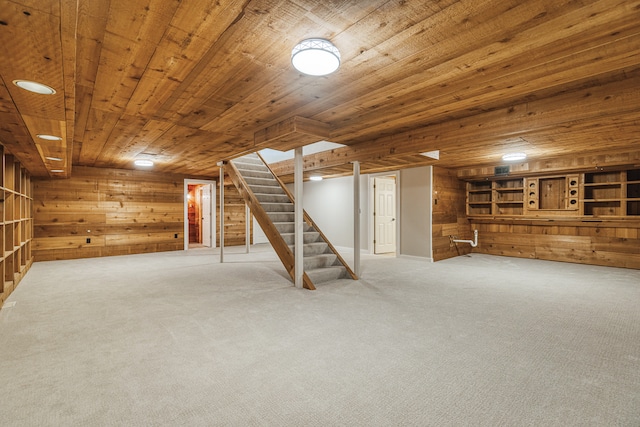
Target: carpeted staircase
{"x":272,"y":206}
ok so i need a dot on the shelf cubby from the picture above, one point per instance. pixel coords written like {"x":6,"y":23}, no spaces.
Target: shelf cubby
{"x":16,"y":223}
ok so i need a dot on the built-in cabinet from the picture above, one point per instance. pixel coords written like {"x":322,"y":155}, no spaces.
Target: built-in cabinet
{"x":612,"y":193}
{"x":496,"y":197}
{"x":590,"y":194}
{"x":16,"y":223}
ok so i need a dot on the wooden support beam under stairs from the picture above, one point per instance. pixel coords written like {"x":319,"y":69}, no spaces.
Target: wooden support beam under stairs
{"x":272,"y":205}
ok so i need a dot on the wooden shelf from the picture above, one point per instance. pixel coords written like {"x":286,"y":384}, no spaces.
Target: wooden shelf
{"x":500,"y":196}
{"x":16,"y":223}
{"x":510,"y":190}
{"x":591,"y":195}
{"x":605,"y":185}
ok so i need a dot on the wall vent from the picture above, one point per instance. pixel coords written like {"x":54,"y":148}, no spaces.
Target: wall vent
{"x":502,"y":170}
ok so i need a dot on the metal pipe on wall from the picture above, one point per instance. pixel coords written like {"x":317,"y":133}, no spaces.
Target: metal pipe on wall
{"x":473,"y":242}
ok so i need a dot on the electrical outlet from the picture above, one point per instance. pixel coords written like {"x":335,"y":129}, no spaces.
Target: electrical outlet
{"x":88,"y":239}
{"x":175,"y":236}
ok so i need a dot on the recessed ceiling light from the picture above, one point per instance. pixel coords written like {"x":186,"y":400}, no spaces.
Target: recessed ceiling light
{"x":143,"y":163}
{"x":512,"y":157}
{"x":49,"y":137}
{"x":315,"y":57}
{"x":54,"y":159}
{"x":57,"y":170}
{"x":315,"y":178}
{"x":34,"y":87}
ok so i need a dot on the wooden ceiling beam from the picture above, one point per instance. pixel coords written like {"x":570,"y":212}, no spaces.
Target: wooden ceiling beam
{"x":291,"y":133}
{"x":610,"y":106}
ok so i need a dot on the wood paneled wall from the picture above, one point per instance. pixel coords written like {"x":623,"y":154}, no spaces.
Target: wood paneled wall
{"x":562,"y":235}
{"x":449,"y":218}
{"x":607,"y":242}
{"x":102,"y":212}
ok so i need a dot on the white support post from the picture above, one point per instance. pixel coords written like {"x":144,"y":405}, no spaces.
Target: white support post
{"x":247,"y":228}
{"x":356,"y":218}
{"x":298,"y":219}
{"x":221,"y":164}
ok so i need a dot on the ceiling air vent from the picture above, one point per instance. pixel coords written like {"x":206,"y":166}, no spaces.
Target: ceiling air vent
{"x":502,"y":170}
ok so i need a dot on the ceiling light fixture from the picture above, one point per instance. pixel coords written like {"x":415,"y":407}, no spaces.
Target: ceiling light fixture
{"x":34,"y":87}
{"x":54,"y":159}
{"x":315,"y":57}
{"x":143,"y":163}
{"x":513,"y":157}
{"x":315,"y":178}
{"x":57,"y":170}
{"x":49,"y":137}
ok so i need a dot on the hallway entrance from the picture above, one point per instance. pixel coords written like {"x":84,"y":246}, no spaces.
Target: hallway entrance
{"x":199,"y":214}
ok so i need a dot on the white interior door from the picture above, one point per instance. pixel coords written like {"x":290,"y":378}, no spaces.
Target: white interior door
{"x":206,"y":214}
{"x":384,"y":215}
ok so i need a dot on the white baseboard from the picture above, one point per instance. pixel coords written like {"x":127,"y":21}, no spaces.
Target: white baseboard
{"x":417,"y":258}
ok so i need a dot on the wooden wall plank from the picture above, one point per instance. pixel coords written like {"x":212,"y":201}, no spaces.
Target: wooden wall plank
{"x":607,"y":243}
{"x":448,"y":211}
{"x":234,"y":217}
{"x":121,"y":212}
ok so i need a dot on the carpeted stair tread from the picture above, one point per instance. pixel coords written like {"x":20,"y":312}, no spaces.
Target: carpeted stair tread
{"x":256,"y":174}
{"x":327,"y":274}
{"x":247,"y":165}
{"x":308,"y":237}
{"x":284,"y":217}
{"x":267,"y":182}
{"x":266,"y":189}
{"x":319,"y":261}
{"x":248,"y":159}
{"x":312,"y":249}
{"x":289,"y":227}
{"x":277,"y":207}
{"x":272,"y":198}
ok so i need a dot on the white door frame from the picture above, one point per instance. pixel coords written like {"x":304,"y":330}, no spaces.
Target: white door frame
{"x":187,"y":183}
{"x":384,"y":220}
{"x":206,"y":204}
{"x":395,"y":174}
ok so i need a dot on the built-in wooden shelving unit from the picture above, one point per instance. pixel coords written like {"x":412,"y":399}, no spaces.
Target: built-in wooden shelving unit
{"x":588,"y":216}
{"x":496,"y":197}
{"x":16,"y":223}
{"x":590,"y":194}
{"x":614,"y":193}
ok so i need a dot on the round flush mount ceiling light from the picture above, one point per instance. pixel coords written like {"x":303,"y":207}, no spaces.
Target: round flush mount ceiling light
{"x":34,"y":87}
{"x":49,"y":137}
{"x":143,"y":163}
{"x":315,"y":57}
{"x":514,"y":157}
{"x":315,"y":178}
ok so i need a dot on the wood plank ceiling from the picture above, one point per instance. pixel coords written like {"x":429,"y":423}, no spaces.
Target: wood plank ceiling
{"x":190,"y":83}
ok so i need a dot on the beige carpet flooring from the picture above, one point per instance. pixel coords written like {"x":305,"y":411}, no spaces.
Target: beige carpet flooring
{"x":177,"y":339}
